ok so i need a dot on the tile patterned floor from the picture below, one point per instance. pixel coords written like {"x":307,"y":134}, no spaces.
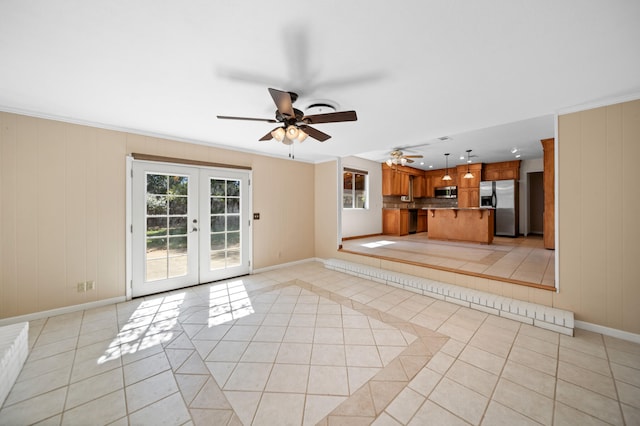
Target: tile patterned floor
{"x":305,"y":345}
{"x":519,"y":259}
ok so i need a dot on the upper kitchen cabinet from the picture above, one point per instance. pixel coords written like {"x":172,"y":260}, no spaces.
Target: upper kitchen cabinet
{"x":396,"y":181}
{"x":474,"y":182}
{"x":469,"y":189}
{"x":419,"y":186}
{"x":501,"y":171}
{"x":434,"y":180}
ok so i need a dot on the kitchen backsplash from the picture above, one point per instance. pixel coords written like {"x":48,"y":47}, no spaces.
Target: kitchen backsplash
{"x":394,"y":202}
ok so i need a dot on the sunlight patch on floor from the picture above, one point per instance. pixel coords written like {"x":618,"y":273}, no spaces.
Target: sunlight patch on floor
{"x":151,"y":324}
{"x":375,"y":244}
{"x":227,"y":302}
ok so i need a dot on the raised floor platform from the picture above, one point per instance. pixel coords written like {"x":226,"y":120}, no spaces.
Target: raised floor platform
{"x":546,"y":317}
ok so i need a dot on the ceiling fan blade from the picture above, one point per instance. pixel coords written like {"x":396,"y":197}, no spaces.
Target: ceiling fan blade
{"x":282,"y":101}
{"x":330,"y":117}
{"x":408,"y":160}
{"x":227,"y":117}
{"x":315,"y":133}
{"x":412,"y":156}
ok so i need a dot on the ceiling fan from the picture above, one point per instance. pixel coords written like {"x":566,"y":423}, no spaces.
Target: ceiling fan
{"x":398,"y":157}
{"x":294,"y":124}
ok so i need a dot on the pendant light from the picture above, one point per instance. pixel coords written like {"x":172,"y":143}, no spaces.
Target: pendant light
{"x":468,"y":175}
{"x":446,"y":173}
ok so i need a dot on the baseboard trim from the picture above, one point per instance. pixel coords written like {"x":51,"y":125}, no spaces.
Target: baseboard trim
{"x":608,"y":331}
{"x":62,"y":311}
{"x":284,"y":265}
{"x":357,"y":237}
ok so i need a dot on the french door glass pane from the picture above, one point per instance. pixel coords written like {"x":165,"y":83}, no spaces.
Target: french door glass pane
{"x":225,"y":223}
{"x":166,"y":226}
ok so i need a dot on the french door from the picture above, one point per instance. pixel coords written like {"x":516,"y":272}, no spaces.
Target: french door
{"x":190,"y":225}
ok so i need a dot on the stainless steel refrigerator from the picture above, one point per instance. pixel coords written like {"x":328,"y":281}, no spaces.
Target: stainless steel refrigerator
{"x":503,"y":196}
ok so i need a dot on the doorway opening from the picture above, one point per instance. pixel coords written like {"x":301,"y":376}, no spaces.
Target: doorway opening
{"x":189,"y":225}
{"x":536,"y":202}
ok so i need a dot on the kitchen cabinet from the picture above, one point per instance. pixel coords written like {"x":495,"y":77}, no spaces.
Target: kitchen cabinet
{"x":422,"y":221}
{"x":419,"y":186}
{"x":548,"y":215}
{"x":395,"y":181}
{"x":474,"y":182}
{"x":501,"y":171}
{"x":388,"y":182}
{"x":395,"y":221}
{"x":469,"y":189}
{"x":434,"y":180}
{"x":468,"y":197}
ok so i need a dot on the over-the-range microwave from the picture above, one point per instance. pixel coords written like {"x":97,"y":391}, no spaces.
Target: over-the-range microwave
{"x":446,"y":192}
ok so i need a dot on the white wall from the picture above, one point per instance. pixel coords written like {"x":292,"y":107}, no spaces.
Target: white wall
{"x":526,"y":167}
{"x":356,"y":222}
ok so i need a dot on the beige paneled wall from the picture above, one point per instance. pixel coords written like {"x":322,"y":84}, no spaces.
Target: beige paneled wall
{"x":598,"y":202}
{"x":61,"y":214}
{"x":62,"y":209}
{"x":326,"y":201}
{"x":283,"y":195}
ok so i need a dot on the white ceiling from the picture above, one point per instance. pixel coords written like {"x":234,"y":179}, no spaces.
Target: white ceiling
{"x":414,"y":70}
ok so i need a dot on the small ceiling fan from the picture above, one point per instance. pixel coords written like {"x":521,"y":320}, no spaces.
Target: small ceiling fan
{"x":397,"y":157}
{"x":294,"y":124}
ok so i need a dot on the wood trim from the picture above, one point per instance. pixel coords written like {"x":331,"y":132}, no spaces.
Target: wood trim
{"x":161,"y":159}
{"x":456,"y":271}
{"x":352,"y":170}
{"x":360,"y":236}
{"x":548,"y":183}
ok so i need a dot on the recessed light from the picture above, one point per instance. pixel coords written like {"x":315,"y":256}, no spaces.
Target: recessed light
{"x":517,"y":155}
{"x":514,"y":150}
{"x":422,"y":163}
{"x":431,"y":166}
{"x":462,"y":157}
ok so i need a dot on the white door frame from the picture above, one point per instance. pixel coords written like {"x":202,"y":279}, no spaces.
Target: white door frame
{"x":129,"y":220}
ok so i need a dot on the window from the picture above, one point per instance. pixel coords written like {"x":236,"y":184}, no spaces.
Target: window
{"x":355,"y":190}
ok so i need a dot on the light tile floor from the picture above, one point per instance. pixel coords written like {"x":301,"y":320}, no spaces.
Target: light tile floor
{"x":522,"y":259}
{"x":306,"y":345}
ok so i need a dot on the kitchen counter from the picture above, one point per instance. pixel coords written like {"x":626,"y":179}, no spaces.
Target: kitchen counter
{"x":458,"y":208}
{"x":470,"y":224}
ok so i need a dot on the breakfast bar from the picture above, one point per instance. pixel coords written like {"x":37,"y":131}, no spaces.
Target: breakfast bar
{"x":469,"y":224}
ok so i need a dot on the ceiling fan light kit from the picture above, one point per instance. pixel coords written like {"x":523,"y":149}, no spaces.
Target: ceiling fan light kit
{"x":292,"y":132}
{"x":278,"y":134}
{"x":295,"y":124}
{"x":397,"y":157}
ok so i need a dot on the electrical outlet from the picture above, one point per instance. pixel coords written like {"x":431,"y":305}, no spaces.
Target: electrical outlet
{"x":90,"y":285}
{"x":82,"y":287}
